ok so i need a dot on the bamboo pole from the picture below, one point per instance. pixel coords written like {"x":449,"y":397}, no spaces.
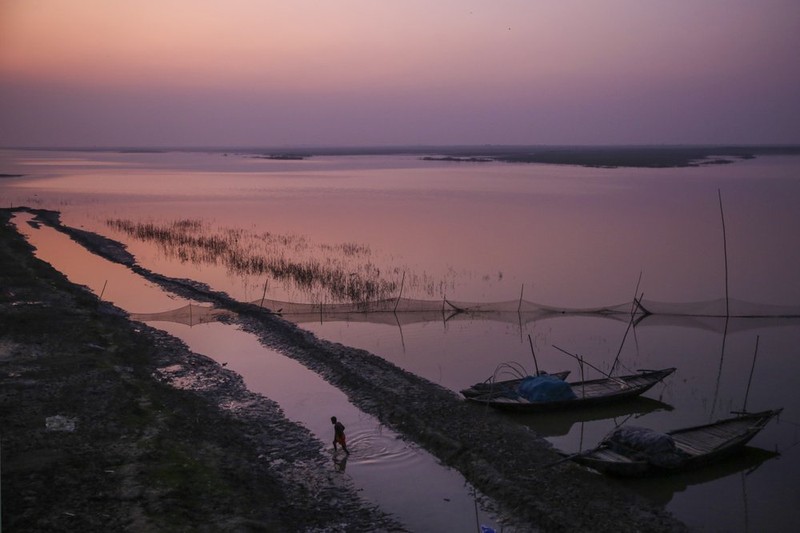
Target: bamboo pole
{"x":630,"y":323}
{"x":104,"y":289}
{"x":747,"y":392}
{"x":535,"y":364}
{"x":400,"y":295}
{"x":580,"y":360}
{"x":264,"y":295}
{"x":719,"y":371}
{"x":583,"y":388}
{"x":521,"y":291}
{"x":725,"y":251}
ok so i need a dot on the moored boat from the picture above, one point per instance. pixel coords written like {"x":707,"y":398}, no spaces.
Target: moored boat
{"x":571,"y":395}
{"x":637,"y":452}
{"x":490,"y":386}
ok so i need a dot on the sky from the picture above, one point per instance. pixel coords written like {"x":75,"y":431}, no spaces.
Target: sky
{"x":367,"y":72}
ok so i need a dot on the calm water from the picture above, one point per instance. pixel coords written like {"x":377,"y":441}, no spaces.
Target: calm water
{"x":562,"y":236}
{"x":384,"y":468}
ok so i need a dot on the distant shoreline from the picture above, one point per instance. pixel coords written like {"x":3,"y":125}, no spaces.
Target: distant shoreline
{"x":622,"y":156}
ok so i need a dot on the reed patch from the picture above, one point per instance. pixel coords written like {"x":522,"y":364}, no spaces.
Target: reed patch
{"x":343,"y":272}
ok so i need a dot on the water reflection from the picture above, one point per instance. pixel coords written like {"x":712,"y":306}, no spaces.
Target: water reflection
{"x":663,"y":489}
{"x":340,"y":461}
{"x":561,"y":423}
{"x":190,"y":315}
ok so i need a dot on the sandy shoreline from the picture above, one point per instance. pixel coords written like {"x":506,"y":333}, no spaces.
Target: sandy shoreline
{"x":501,"y":459}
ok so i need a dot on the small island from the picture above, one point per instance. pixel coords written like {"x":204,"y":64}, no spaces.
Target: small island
{"x":283,"y":157}
{"x":473,"y":159}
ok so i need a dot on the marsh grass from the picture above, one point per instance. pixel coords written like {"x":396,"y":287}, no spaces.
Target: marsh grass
{"x":339,"y":273}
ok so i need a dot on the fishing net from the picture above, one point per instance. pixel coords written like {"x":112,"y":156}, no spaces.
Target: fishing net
{"x":720,"y":308}
{"x":706,"y":315}
{"x":404,"y":311}
{"x":709,"y":315}
{"x":190,"y":315}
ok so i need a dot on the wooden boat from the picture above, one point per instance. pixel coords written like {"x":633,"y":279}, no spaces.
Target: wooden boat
{"x":490,"y":386}
{"x":592,"y":392}
{"x":693,"y":447}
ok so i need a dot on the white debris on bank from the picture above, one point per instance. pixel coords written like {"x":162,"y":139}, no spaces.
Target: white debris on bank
{"x":60,"y":423}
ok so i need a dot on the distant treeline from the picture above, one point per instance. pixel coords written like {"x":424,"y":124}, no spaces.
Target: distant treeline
{"x":651,"y":156}
{"x":589,"y":156}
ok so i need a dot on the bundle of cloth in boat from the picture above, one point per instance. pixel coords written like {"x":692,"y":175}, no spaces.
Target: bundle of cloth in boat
{"x":644,"y":444}
{"x":545,"y":388}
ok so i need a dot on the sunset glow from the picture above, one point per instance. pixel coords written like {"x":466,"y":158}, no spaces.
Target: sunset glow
{"x":361,"y":72}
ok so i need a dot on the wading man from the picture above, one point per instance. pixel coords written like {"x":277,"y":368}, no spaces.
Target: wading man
{"x":338,"y":435}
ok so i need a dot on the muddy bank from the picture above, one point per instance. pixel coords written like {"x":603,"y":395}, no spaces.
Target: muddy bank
{"x":109,"y":425}
{"x":507,"y":462}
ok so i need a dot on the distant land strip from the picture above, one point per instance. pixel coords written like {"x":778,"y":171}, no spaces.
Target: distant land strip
{"x":587,"y":156}
{"x":610,"y":156}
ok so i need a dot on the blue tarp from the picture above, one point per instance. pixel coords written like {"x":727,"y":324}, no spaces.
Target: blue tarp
{"x":545,"y":389}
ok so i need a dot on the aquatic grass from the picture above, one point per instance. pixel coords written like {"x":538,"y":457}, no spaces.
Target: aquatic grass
{"x":343,"y":273}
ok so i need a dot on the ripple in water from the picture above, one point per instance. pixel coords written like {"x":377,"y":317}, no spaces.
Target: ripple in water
{"x":380,"y":449}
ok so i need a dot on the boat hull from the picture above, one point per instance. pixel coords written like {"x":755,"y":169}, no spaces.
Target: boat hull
{"x":701,"y":445}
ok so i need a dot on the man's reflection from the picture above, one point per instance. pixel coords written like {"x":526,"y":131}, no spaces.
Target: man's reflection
{"x":340,"y":461}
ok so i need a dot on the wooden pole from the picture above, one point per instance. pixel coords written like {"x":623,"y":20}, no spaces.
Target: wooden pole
{"x":402,"y":283}
{"x":535,"y":364}
{"x":747,"y":392}
{"x":265,"y":293}
{"x":522,"y":290}
{"x":725,"y":251}
{"x":583,"y":386}
{"x":719,"y":371}
{"x":104,"y":289}
{"x":630,"y":323}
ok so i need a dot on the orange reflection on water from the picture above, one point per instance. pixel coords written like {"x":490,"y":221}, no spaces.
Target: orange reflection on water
{"x":114,"y":282}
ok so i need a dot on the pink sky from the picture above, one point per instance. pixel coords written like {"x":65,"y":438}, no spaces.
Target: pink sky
{"x":250,"y":72}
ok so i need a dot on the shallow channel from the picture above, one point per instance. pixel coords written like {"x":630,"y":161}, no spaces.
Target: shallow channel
{"x":383,"y":467}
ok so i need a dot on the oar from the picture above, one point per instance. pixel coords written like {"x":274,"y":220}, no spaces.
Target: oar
{"x":572,"y":456}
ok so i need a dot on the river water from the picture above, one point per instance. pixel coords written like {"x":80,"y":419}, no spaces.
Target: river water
{"x":561,"y":236}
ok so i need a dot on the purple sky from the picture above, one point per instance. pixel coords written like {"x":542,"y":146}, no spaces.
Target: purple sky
{"x":269,"y":73}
